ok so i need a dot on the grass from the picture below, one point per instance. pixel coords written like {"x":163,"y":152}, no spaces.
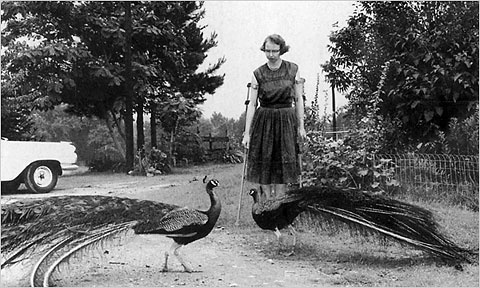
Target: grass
{"x":337,"y":257}
{"x":463,"y":195}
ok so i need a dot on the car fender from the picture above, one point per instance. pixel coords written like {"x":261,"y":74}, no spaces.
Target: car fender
{"x":15,"y":171}
{"x":16,"y":156}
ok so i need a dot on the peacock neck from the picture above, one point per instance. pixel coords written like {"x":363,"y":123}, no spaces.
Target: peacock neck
{"x":215,"y":207}
{"x":256,"y":204}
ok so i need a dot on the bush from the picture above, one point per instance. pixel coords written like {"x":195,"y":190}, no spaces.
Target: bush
{"x":104,"y":164}
{"x":350,"y":162}
{"x":189,"y":147}
{"x":463,"y":136}
{"x":339,"y":164}
{"x":155,"y":162}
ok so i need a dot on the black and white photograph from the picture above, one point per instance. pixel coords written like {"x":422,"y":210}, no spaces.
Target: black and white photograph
{"x":239,"y":144}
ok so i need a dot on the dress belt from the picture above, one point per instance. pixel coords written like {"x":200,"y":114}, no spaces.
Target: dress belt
{"x":276,"y":106}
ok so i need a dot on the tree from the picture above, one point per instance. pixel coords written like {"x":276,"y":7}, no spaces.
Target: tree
{"x":178,"y":112}
{"x":80,"y":58}
{"x":189,"y":83}
{"x":77,"y":59}
{"x":16,"y":121}
{"x":415,"y":63}
{"x":129,"y":88}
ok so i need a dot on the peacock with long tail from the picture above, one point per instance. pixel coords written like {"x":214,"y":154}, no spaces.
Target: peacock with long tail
{"x":54,"y":229}
{"x":363,"y":212}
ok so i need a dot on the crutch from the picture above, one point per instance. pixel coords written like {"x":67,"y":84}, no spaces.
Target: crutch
{"x":300,"y":152}
{"x":245,"y":155}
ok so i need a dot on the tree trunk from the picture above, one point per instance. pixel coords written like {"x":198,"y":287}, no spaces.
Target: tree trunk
{"x":118,"y":124}
{"x":172,"y":143}
{"x":140,"y":133}
{"x":129,"y":89}
{"x":153,"y":126}
{"x":114,"y":139}
{"x":172,"y":140}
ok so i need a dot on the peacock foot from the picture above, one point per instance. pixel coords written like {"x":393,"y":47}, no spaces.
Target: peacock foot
{"x":289,"y":254}
{"x":190,"y":270}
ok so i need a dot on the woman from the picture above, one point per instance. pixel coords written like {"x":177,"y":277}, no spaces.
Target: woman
{"x":273,"y":130}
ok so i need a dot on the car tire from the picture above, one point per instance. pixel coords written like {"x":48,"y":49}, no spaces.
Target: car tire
{"x":41,"y":178}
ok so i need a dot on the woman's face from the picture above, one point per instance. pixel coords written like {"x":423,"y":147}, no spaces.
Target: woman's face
{"x":272,"y":51}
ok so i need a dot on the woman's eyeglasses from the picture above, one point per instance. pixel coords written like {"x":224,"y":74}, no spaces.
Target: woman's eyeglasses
{"x":271,"y":51}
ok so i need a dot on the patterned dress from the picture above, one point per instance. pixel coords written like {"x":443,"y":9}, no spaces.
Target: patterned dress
{"x":272,"y":153}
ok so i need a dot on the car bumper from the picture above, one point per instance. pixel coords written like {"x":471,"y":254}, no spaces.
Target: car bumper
{"x":69,"y":167}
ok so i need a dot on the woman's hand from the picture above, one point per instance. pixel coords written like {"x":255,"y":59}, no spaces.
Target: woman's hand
{"x":302,"y":133}
{"x":246,"y":140}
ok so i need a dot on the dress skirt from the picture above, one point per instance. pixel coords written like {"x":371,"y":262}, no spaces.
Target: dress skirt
{"x":273,"y":149}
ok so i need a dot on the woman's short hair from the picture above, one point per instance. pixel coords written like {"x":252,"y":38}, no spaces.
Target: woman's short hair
{"x":277,"y":39}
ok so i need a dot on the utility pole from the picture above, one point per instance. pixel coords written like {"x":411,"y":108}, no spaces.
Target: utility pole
{"x":334,"y":117}
{"x":331,"y":71}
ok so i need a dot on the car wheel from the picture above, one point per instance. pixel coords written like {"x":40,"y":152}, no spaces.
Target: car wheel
{"x":41,"y":178}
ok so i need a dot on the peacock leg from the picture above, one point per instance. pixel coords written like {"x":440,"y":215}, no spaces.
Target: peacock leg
{"x":294,"y":234}
{"x":165,"y":265}
{"x":279,"y":237}
{"x":180,"y":259}
{"x":167,"y":253}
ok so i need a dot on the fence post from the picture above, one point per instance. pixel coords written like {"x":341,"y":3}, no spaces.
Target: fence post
{"x":210,"y":142}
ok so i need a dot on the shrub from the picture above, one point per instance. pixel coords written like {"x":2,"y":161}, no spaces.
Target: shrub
{"x":189,"y":147}
{"x":154,"y":162}
{"x":350,"y":162}
{"x":463,"y":136}
{"x":339,"y":164}
{"x":103,"y":164}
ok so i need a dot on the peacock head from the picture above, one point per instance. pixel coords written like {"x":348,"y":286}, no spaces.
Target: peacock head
{"x":254,"y":193}
{"x":212,"y":184}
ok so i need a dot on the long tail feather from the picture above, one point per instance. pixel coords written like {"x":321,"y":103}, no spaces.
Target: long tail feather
{"x":442,"y":249}
{"x":394,"y":219}
{"x":12,"y":258}
{"x":62,"y":251}
{"x":36,"y":269}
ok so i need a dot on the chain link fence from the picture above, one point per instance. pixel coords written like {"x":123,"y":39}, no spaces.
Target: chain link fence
{"x":450,"y":177}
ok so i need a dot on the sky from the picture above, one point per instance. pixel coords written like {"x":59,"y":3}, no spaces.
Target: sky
{"x":242,"y":27}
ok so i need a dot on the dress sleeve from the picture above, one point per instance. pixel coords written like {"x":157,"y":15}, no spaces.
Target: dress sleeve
{"x":254,"y":82}
{"x":298,"y":78}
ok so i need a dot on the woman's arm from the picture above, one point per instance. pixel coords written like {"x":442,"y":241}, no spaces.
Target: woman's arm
{"x":252,"y":106}
{"x":300,"y":106}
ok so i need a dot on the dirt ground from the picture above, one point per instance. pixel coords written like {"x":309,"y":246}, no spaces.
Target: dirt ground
{"x":225,"y":258}
{"x":231,"y":256}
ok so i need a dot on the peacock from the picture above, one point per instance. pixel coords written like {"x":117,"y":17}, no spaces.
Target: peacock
{"x":275,"y":215}
{"x":54,"y":229}
{"x":361,"y":211}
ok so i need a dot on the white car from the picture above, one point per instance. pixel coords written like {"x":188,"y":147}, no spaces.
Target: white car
{"x":37,"y":164}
